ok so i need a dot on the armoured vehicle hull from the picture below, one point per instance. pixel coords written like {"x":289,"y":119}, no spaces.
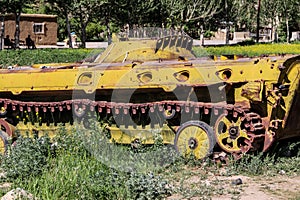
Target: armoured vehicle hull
{"x":231,"y":104}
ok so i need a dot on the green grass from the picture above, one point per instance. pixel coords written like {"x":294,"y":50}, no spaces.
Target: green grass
{"x":28,"y":57}
{"x":73,"y":176}
{"x":253,"y":50}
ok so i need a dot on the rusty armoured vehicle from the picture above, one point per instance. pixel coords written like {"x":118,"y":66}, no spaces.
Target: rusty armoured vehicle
{"x":200,"y":105}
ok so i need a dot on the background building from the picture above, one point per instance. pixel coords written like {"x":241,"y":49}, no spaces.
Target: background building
{"x":42,"y":28}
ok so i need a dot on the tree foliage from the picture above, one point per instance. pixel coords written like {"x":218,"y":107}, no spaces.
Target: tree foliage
{"x":184,"y":11}
{"x":84,"y":12}
{"x":64,"y":8}
{"x":95,"y":18}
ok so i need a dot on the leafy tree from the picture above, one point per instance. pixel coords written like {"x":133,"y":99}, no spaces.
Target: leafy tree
{"x":288,"y":9}
{"x":64,"y":9}
{"x":229,"y":15}
{"x":84,"y":12}
{"x":281,"y":12}
{"x":105,"y":17}
{"x":188,"y":15}
{"x":140,"y":12}
{"x":270,"y":14}
{"x":37,"y":7}
{"x":132,"y":13}
{"x":180,"y":12}
{"x":94,"y":30}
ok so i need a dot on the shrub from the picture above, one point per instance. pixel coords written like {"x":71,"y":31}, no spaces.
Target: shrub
{"x":147,"y":186}
{"x":208,"y":34}
{"x":27,"y":158}
{"x":247,"y":42}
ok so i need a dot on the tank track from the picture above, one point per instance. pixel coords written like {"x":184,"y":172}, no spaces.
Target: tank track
{"x":165,"y":110}
{"x":81,"y":106}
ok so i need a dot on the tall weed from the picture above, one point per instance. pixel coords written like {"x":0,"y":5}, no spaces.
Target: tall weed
{"x":28,"y":157}
{"x":69,"y":168}
{"x":276,"y":160}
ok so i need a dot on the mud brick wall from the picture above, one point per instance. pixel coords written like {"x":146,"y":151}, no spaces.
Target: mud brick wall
{"x":49,"y":35}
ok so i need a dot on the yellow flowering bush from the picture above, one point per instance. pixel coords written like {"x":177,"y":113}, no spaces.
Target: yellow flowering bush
{"x":253,"y":50}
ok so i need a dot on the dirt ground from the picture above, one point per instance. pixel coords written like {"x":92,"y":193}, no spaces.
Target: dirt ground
{"x":278,"y":187}
{"x":266,"y":188}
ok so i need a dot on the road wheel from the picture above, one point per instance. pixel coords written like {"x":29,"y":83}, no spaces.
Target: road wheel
{"x":195,"y":138}
{"x":230,"y":135}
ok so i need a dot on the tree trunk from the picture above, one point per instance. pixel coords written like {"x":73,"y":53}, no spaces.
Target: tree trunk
{"x":258,"y":21}
{"x":83,"y":30}
{"x":276,"y":28}
{"x":2,"y":33}
{"x":227,"y":34}
{"x":287,"y":29}
{"x":83,"y":35}
{"x":201,"y":33}
{"x":109,"y":39}
{"x":272,"y":30}
{"x":17,"y":32}
{"x":227,"y":24}
{"x":69,"y":30}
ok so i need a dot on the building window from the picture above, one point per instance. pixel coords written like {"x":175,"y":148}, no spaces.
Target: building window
{"x":38,"y":28}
